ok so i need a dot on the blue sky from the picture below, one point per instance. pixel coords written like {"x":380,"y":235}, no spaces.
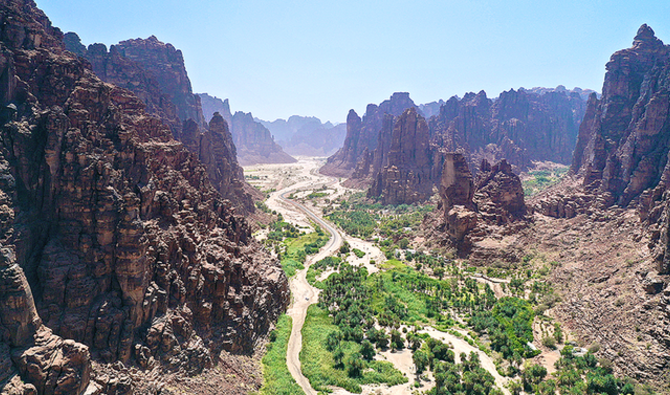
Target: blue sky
{"x":323,"y":57}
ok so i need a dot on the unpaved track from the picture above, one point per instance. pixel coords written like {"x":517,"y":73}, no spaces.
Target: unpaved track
{"x":304,"y":294}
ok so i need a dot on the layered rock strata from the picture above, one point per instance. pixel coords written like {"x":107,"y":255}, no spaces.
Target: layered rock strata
{"x":402,"y":164}
{"x":155,"y":72}
{"x":116,"y":248}
{"x":363,"y":134}
{"x":477,"y":207}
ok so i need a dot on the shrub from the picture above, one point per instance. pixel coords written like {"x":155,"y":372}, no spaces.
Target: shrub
{"x":549,"y":342}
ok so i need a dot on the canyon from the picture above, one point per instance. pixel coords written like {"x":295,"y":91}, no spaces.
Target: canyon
{"x":145,"y":230}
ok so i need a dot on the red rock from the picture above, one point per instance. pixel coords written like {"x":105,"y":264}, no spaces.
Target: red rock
{"x":406,"y":173}
{"x":363,"y":134}
{"x":113,"y":226}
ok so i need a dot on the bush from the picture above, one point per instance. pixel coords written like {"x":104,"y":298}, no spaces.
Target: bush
{"x":549,"y":342}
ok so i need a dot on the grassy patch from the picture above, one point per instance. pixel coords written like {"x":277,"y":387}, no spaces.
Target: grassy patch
{"x":393,"y":264}
{"x":290,"y":266}
{"x":318,"y":364}
{"x":277,"y":380}
{"x":539,"y":180}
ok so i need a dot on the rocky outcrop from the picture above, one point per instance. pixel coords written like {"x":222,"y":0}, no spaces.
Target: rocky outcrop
{"x":456,"y":192}
{"x":155,"y":72}
{"x":166,"y":63}
{"x":624,"y":143}
{"x":499,"y":194}
{"x":115,"y":246}
{"x":212,"y":104}
{"x":623,"y":146}
{"x":363,"y":134}
{"x":404,"y":172}
{"x":255,"y":144}
{"x":475,"y":208}
{"x":519,"y":126}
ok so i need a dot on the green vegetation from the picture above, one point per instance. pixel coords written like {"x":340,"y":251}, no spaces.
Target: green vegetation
{"x":576,"y":375}
{"x":292,"y":245}
{"x":358,"y":217}
{"x":317,"y":195}
{"x":277,"y":380}
{"x":327,"y":358}
{"x":358,"y":253}
{"x":539,"y":180}
{"x":263,"y":207}
{"x":330,"y":262}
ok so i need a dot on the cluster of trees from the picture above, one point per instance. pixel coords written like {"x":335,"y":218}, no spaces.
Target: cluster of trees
{"x":281,"y":230}
{"x":509,"y":327}
{"x":576,"y":375}
{"x":467,"y":378}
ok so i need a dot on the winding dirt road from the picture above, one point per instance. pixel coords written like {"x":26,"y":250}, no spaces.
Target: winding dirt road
{"x":304,"y":294}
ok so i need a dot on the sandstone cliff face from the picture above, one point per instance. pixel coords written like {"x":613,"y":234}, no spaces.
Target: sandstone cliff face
{"x":155,"y":72}
{"x":622,"y":152}
{"x":623,"y":146}
{"x":166,"y":63}
{"x":477,"y":207}
{"x":112,"y":235}
{"x":362,"y":134}
{"x":519,"y":126}
{"x":404,"y":172}
{"x":255,"y":144}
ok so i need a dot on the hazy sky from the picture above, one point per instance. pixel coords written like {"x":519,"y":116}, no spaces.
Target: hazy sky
{"x":323,"y":57}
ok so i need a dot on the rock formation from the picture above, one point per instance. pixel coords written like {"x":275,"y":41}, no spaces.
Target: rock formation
{"x":363,"y":134}
{"x":114,"y":245}
{"x":474,"y":208}
{"x":520,"y":126}
{"x":255,"y":144}
{"x":621,"y":157}
{"x":403,"y":164}
{"x":155,"y":72}
{"x":212,"y":104}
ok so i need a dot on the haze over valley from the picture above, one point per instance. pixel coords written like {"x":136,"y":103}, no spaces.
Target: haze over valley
{"x":286,"y":228}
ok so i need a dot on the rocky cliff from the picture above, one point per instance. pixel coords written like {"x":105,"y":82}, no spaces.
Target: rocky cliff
{"x":155,"y":72}
{"x":212,"y":104}
{"x":255,"y":144}
{"x":363,"y":134}
{"x":473,"y":208}
{"x":116,"y":250}
{"x":520,"y":126}
{"x":402,"y":165}
{"x":621,"y":157}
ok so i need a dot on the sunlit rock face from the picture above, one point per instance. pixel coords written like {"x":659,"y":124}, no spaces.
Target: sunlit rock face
{"x":404,"y":172}
{"x":115,"y":247}
{"x":363,"y":133}
{"x":155,"y":72}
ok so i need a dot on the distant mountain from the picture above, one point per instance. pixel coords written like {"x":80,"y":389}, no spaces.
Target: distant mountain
{"x":307,"y":135}
{"x":254,"y":141}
